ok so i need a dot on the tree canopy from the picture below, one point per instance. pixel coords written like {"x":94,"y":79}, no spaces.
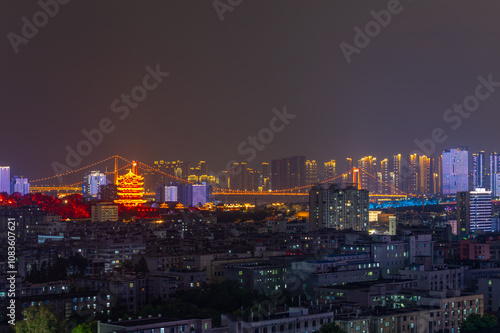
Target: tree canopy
{"x":86,"y":328}
{"x":477,"y":324}
{"x":40,"y":319}
{"x":331,"y":328}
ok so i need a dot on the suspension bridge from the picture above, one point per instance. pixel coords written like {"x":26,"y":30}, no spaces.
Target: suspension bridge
{"x":46,"y":184}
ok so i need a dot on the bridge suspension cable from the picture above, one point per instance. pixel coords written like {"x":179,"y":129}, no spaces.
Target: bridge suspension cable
{"x":79,"y":169}
{"x":381,"y":181}
{"x":163,"y":173}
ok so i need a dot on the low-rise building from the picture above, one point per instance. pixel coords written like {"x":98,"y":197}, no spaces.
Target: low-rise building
{"x":158,"y":325}
{"x":104,"y":212}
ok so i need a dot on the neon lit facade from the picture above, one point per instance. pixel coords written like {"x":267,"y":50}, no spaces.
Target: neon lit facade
{"x":20,"y":185}
{"x":92,"y":183}
{"x":455,"y":171}
{"x":479,"y":171}
{"x":5,"y":179}
{"x":130,"y":190}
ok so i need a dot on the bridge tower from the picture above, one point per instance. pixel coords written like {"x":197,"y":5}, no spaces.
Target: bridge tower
{"x":355,"y":178}
{"x":116,"y":170}
{"x":135,"y":168}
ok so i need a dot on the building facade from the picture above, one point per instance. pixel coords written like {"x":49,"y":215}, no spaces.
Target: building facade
{"x":338,"y":208}
{"x":455,"y":170}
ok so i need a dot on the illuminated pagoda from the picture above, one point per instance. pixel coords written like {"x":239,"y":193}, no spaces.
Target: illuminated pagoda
{"x":131,"y":188}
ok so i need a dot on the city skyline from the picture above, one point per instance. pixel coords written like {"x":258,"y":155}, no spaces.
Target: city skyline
{"x":216,"y":93}
{"x":249,"y":166}
{"x":456,"y":170}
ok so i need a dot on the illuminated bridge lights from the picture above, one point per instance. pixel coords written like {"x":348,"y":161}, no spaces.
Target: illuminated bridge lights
{"x":134,"y":197}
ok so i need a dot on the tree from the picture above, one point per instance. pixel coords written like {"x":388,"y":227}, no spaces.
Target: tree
{"x":477,"y":324}
{"x":40,"y":319}
{"x":77,"y":264}
{"x":142,"y":266}
{"x":86,"y":328}
{"x":331,"y":328}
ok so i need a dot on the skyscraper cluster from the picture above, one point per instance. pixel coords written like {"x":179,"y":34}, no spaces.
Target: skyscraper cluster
{"x":12,"y":185}
{"x":186,"y":194}
{"x":288,"y":173}
{"x":411,"y":174}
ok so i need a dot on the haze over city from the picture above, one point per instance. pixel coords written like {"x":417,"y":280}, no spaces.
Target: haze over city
{"x":227,"y":76}
{"x":249,"y":166}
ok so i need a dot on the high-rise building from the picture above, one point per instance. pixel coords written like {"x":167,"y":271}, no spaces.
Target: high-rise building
{"x":438,"y":176}
{"x":392,"y":183}
{"x":200,"y":194}
{"x":349,"y":164}
{"x":397,"y":169}
{"x":275,"y":174}
{"x":254,"y":177}
{"x":368,"y":173}
{"x":479,"y":170}
{"x":265,"y":182}
{"x":208,"y":179}
{"x":178,"y":169}
{"x":92,"y":183}
{"x":463,"y":214}
{"x":311,"y":172}
{"x":330,"y":169}
{"x":151,"y":180}
{"x":493,"y":170}
{"x":244,"y":176}
{"x":185,"y":194}
{"x":297,"y":171}
{"x":5,"y":179}
{"x":455,"y":170}
{"x":236,"y":176}
{"x":349,"y":177}
{"x":203,"y":168}
{"x":412,"y":176}
{"x":385,"y":186}
{"x":480,"y":209}
{"x":20,"y":185}
{"x":170,"y":193}
{"x":200,"y":170}
{"x":338,"y":208}
{"x":425,"y":175}
{"x":474,"y":211}
{"x":288,"y":173}
{"x":495,"y":191}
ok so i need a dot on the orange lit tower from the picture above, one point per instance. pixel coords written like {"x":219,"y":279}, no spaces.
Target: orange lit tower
{"x":116,"y":170}
{"x":131,"y":188}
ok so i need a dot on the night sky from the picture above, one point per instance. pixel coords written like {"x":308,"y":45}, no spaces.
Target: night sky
{"x":227,"y":76}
